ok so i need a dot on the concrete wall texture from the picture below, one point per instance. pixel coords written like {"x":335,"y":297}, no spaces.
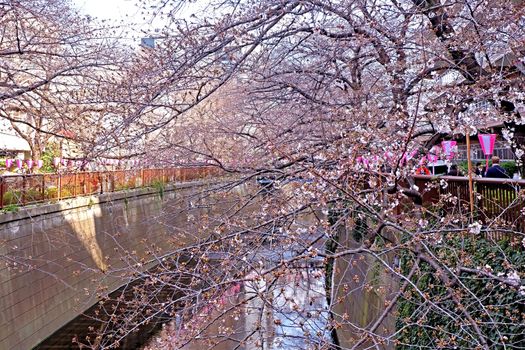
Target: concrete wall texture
{"x":55,"y":258}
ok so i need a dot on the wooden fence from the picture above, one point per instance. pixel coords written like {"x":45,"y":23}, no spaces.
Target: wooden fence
{"x":497,"y":202}
{"x":18,"y":190}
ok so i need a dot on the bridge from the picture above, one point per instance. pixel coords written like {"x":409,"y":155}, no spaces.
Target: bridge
{"x":61,"y":255}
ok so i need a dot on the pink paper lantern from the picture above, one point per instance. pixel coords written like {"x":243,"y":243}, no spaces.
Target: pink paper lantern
{"x":448,"y":148}
{"x":39,"y":163}
{"x":29,"y":163}
{"x":64,"y":162}
{"x":56,"y":162}
{"x":8,"y":163}
{"x":433,"y":155}
{"x":403,"y":159}
{"x":432,"y":158}
{"x":487,"y":142}
{"x":19,"y":163}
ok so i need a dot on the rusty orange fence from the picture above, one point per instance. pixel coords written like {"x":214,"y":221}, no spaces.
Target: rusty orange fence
{"x":497,"y":202}
{"x":18,"y":190}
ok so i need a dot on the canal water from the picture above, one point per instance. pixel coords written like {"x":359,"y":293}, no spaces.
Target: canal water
{"x":286,"y":313}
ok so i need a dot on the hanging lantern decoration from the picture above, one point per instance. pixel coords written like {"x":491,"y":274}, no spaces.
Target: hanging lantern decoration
{"x":19,"y":164}
{"x":403,"y":159}
{"x":56,"y":162}
{"x":412,"y":154}
{"x":448,"y":148}
{"x":433,"y":155}
{"x":39,"y":163}
{"x":432,"y":158}
{"x":64,"y":162}
{"x":487,"y":142}
{"x":8,"y":163}
{"x":29,"y":163}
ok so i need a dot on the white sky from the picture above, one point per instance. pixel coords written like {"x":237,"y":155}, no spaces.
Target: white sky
{"x":126,"y":13}
{"x":120,"y":13}
{"x":108,"y":9}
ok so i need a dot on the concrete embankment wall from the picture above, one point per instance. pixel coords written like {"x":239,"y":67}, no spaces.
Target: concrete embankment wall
{"x":364,"y":288}
{"x":56,"y":258}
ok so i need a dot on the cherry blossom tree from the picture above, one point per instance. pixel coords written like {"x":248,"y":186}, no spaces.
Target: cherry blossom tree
{"x":315,"y":108}
{"x":55,"y":71}
{"x":322,"y":101}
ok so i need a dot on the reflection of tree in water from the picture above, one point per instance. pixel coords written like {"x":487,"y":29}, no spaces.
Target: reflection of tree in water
{"x":300,"y":305}
{"x":289,"y":312}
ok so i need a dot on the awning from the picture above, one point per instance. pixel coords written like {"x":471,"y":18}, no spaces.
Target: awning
{"x":13,"y":143}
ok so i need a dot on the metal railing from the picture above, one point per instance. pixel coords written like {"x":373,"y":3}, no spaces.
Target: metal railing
{"x":497,"y":202}
{"x":19,"y":190}
{"x":476,"y":153}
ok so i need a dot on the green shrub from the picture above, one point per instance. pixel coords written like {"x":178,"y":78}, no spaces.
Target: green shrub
{"x":33,"y":195}
{"x":52,"y":151}
{"x":496,"y":307}
{"x":65,"y":192}
{"x":121,"y":187}
{"x":51,"y":192}
{"x":510,"y":167}
{"x":463,"y":166}
{"x":12,"y":197}
{"x":18,"y":197}
{"x":11,"y":208}
{"x":159,"y":186}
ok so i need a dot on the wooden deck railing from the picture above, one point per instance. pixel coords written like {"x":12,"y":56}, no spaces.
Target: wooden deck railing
{"x":497,"y":202}
{"x":18,"y":190}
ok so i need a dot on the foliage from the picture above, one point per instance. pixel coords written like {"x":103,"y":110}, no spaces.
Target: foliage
{"x":332,"y":97}
{"x":52,"y":150}
{"x":10,"y":208}
{"x":51,"y":192}
{"x":159,"y":186}
{"x":12,"y":197}
{"x":496,"y":307}
{"x":18,"y":196}
{"x":463,"y":166}
{"x":509,"y":166}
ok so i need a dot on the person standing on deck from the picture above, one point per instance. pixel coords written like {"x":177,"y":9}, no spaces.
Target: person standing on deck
{"x":496,"y":171}
{"x":454,"y":171}
{"x":480,"y":171}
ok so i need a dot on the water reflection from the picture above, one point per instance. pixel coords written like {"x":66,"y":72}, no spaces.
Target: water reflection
{"x":283,"y":314}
